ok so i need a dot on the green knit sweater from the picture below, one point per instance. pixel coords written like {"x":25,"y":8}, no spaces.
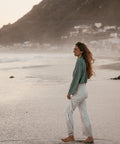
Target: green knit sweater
{"x":79,"y":75}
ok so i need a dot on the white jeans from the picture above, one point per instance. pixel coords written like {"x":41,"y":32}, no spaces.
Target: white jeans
{"x":78,"y":100}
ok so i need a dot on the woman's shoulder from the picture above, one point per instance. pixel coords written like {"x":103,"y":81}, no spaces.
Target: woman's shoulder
{"x":80,"y":60}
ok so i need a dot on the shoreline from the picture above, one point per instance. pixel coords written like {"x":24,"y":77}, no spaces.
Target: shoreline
{"x":113,"y":66}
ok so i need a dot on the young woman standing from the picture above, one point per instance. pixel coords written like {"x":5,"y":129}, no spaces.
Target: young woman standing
{"x":77,"y":93}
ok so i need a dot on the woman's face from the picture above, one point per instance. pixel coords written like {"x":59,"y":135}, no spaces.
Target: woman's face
{"x":77,"y":51}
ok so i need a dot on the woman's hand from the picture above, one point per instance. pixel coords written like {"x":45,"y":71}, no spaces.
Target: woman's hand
{"x":68,"y":96}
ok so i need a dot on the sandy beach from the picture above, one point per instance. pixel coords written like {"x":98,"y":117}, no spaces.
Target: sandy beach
{"x":32,"y":105}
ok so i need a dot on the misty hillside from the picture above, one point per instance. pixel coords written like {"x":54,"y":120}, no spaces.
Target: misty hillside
{"x":51,"y":19}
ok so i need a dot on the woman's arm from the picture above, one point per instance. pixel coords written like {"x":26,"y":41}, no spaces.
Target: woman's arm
{"x":76,"y":78}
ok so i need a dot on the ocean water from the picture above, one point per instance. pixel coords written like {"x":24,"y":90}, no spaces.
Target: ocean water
{"x":42,"y":68}
{"x":45,"y":68}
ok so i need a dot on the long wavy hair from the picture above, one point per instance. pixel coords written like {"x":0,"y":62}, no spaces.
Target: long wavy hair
{"x":87,"y":55}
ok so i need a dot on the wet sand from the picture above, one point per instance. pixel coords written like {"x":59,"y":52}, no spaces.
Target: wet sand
{"x":115,"y":66}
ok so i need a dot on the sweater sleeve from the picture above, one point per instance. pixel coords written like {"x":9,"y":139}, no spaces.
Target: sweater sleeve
{"x":76,"y":78}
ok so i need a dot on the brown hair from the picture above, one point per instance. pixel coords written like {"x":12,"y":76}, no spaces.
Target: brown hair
{"x":87,"y":55}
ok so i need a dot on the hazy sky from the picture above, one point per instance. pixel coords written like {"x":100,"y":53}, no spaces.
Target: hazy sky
{"x":11,"y":10}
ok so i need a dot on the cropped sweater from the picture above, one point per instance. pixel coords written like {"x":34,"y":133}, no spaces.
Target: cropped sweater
{"x":79,"y":75}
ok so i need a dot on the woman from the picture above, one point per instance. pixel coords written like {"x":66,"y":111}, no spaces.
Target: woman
{"x":78,"y":93}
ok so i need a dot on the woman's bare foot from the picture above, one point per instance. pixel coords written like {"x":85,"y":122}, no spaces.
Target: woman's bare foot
{"x":68,"y":139}
{"x":88,"y":140}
